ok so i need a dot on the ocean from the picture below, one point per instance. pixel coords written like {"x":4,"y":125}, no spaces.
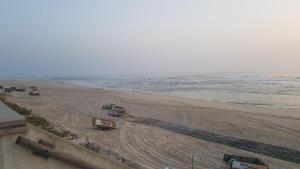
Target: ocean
{"x":276,"y":91}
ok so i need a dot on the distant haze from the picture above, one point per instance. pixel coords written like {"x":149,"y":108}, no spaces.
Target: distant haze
{"x":123,"y":37}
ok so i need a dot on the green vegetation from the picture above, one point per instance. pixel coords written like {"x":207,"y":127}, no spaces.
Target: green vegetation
{"x":36,"y":120}
{"x":62,"y":133}
{"x":17,"y":108}
{"x":3,"y":96}
{"x":32,"y":119}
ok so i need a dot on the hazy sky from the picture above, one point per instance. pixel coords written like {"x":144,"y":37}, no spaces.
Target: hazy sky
{"x":119,"y":37}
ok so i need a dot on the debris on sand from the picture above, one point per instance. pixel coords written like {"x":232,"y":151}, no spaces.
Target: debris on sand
{"x":239,"y":162}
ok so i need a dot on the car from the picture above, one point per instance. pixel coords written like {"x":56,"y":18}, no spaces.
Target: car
{"x":13,"y":88}
{"x":20,"y":89}
{"x":7,"y":90}
{"x":34,"y":93}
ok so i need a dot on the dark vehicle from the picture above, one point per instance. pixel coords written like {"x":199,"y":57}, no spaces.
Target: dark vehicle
{"x":108,"y":106}
{"x":20,"y":89}
{"x":114,"y":107}
{"x":13,"y":88}
{"x":239,"y":162}
{"x":118,"y":109}
{"x":1,"y":87}
{"x":115,"y":113}
{"x":114,"y":110}
{"x":7,"y":90}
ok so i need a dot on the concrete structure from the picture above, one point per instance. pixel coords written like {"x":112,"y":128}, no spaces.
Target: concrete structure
{"x":65,"y":155}
{"x":10,"y":121}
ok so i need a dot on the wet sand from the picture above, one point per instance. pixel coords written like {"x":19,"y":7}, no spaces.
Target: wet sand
{"x":72,"y":107}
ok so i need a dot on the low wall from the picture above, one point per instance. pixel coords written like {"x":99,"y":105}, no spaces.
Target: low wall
{"x":14,"y":156}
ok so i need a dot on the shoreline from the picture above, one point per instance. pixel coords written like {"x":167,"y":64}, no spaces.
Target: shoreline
{"x":73,"y":107}
{"x":81,"y":85}
{"x":250,"y":108}
{"x":291,"y":112}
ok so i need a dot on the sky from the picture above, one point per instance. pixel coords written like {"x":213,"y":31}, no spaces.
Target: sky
{"x":44,"y":38}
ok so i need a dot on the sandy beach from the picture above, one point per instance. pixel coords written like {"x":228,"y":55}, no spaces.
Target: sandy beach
{"x":72,"y":107}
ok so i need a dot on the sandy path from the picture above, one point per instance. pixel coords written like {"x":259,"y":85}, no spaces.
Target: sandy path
{"x":73,"y":108}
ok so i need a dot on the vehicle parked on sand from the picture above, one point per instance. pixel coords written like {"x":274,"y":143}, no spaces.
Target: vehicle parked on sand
{"x":33,"y":88}
{"x":104,"y":124}
{"x":34,"y":93}
{"x":21,"y":89}
{"x":108,"y":106}
{"x":114,"y":110}
{"x":239,"y":162}
{"x":13,"y":88}
{"x":7,"y":90}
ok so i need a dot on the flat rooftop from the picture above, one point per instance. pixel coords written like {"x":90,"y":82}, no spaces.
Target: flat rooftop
{"x":9,"y":118}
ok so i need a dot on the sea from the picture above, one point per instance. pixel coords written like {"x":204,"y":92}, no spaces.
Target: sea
{"x":263,"y":90}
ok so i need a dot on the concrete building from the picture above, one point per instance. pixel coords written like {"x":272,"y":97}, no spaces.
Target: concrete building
{"x":23,"y":146}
